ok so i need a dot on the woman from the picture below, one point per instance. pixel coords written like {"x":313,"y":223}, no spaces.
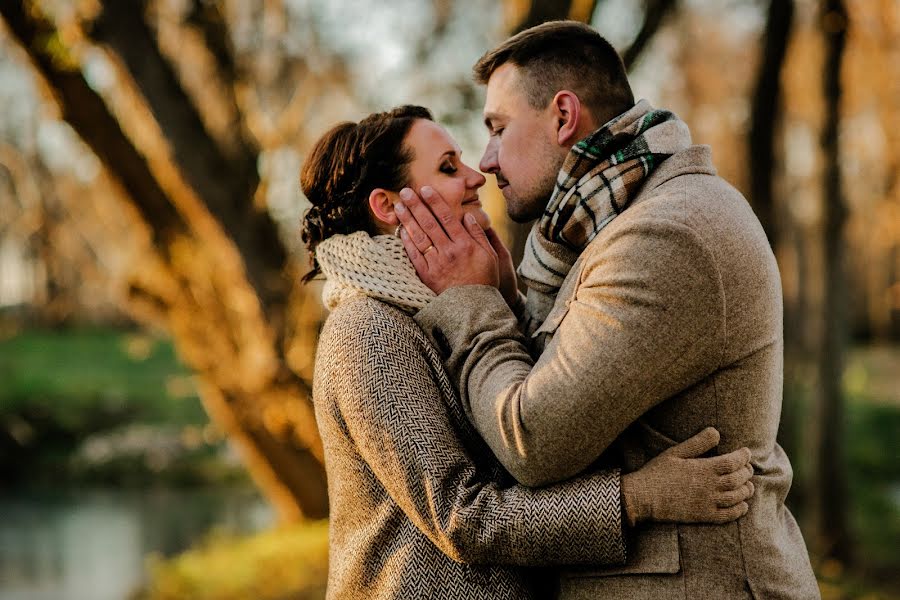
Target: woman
{"x":419,"y":506}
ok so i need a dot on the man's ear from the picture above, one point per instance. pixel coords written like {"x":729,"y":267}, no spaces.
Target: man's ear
{"x":567,"y":109}
{"x":381,"y":203}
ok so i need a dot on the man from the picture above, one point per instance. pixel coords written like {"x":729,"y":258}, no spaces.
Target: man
{"x":653,"y":310}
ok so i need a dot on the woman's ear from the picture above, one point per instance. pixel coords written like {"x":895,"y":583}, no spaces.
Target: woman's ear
{"x":381,"y":203}
{"x":567,"y":110}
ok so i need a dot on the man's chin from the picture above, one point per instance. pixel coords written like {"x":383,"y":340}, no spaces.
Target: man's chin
{"x":524,"y":210}
{"x":519,"y":214}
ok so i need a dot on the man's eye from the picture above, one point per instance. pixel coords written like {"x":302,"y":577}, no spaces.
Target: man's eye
{"x":498,"y":131}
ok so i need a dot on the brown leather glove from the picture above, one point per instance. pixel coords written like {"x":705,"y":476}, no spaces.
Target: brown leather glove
{"x":676,"y":486}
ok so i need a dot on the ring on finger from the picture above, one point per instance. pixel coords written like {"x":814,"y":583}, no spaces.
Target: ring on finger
{"x":428,"y":249}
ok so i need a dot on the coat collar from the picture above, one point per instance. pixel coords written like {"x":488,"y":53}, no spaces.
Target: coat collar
{"x":693,"y":160}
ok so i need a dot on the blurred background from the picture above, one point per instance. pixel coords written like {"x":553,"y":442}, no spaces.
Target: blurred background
{"x":156,"y":434}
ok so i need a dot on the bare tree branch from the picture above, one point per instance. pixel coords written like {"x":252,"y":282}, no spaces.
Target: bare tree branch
{"x":88,"y":114}
{"x":655,"y":14}
{"x":224,"y":184}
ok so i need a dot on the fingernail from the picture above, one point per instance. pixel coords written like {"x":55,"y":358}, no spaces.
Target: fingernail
{"x":470,"y":219}
{"x":406,"y":193}
{"x":403,"y":234}
{"x":399,"y":208}
{"x":427,"y":191}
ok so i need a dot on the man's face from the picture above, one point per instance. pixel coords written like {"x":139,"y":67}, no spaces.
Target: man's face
{"x":523,"y":151}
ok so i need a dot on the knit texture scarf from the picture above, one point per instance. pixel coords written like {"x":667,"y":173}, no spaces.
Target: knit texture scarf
{"x":360,"y":265}
{"x":598,"y":180}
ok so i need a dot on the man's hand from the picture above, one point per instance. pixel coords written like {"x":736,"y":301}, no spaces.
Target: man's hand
{"x":677,"y":486}
{"x":445,"y":252}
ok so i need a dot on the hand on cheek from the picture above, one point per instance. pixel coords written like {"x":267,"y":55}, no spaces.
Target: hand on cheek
{"x":481,"y":217}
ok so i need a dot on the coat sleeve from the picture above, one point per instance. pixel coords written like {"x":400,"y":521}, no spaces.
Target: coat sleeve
{"x":399,"y":419}
{"x":646,"y":321}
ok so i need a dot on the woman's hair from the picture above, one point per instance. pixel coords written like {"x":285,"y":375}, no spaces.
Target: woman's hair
{"x":345,"y":165}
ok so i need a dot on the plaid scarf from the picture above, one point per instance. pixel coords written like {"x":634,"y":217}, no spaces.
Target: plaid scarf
{"x":598,"y":180}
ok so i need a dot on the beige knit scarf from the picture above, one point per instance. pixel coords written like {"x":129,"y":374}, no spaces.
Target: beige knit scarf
{"x":360,"y":265}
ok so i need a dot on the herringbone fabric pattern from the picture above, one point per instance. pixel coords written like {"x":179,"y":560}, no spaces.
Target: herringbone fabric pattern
{"x":419,"y":506}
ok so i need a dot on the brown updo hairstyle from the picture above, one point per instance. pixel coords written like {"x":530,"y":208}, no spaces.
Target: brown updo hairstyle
{"x":345,"y":165}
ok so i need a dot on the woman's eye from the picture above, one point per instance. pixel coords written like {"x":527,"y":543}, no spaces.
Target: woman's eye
{"x":448,"y":169}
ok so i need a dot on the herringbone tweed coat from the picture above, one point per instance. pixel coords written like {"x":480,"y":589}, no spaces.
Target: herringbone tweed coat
{"x":419,"y":506}
{"x":670,"y":321}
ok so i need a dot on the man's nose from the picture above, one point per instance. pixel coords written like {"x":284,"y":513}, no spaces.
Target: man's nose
{"x":488,"y":163}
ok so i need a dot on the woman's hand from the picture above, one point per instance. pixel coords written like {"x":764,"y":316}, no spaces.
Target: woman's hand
{"x":676,"y":486}
{"x":444,"y":252}
{"x":509,"y":285}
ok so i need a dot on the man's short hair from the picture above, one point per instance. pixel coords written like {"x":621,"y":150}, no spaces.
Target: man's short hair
{"x":564,"y":55}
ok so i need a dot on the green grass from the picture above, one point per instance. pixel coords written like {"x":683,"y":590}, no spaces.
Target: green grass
{"x":73,"y":373}
{"x":61,"y":389}
{"x":874,"y":475}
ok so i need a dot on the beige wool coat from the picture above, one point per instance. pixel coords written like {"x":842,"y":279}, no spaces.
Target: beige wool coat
{"x":420,"y":508}
{"x":670,"y":321}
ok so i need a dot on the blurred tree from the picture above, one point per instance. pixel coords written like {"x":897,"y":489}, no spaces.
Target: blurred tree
{"x":220,"y":280}
{"x":831,"y":497}
{"x":655,"y":13}
{"x":59,"y":262}
{"x":765,"y":123}
{"x":765,"y":113}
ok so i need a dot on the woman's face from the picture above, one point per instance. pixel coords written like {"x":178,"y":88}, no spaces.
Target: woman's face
{"x":437,"y":163}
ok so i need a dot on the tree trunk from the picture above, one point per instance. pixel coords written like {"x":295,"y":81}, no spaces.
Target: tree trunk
{"x":217,"y":279}
{"x":832,"y":467}
{"x":766,"y":113}
{"x":765,"y":121}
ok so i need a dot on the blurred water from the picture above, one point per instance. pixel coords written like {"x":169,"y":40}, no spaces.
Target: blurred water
{"x":92,"y":544}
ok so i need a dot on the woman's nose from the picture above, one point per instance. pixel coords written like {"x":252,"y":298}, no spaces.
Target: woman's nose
{"x":475,"y":179}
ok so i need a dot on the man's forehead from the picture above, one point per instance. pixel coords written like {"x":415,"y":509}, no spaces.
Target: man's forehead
{"x":502,"y":90}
